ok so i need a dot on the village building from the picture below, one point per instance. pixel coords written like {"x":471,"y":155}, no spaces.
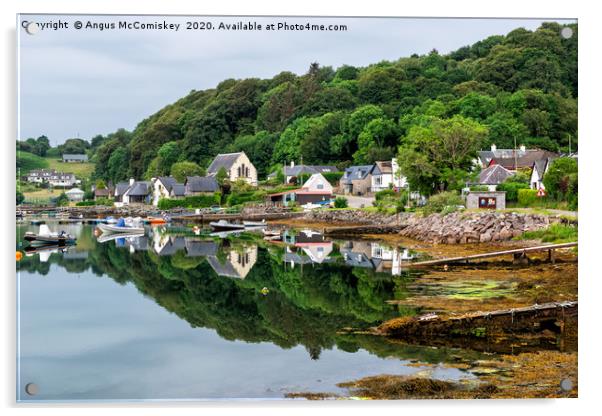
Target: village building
{"x":133,"y":192}
{"x":513,"y":159}
{"x":178,"y":191}
{"x":75,"y":194}
{"x":385,"y":175}
{"x":238,"y":262}
{"x":237,"y":165}
{"x":538,"y":170}
{"x":316,"y":190}
{"x":292,"y":172}
{"x":52,"y":177}
{"x":103,"y":193}
{"x":75,"y":158}
{"x":199,"y":185}
{"x":162,"y":188}
{"x":493,"y":176}
{"x":357,"y":180}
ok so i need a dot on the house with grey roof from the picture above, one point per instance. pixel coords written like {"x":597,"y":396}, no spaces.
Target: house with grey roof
{"x":513,"y":159}
{"x":493,"y":176}
{"x":200,"y":185}
{"x":162,"y":187}
{"x":357,"y":180}
{"x":237,"y":165}
{"x":238,"y":262}
{"x":133,"y":192}
{"x":292,"y":171}
{"x":538,"y":170}
{"x":75,"y":158}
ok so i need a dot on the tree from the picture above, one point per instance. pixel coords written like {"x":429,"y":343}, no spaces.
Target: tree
{"x":557,"y":180}
{"x":168,"y":154}
{"x":377,"y":141}
{"x":117,"y":165}
{"x":181,"y":170}
{"x":221,"y":176}
{"x":20,"y":197}
{"x":440,"y":155}
{"x":62,"y":200}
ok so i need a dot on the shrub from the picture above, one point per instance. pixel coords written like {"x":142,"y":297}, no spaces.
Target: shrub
{"x":511,"y":189}
{"x":61,"y":200}
{"x":528,"y":197}
{"x":443,"y":201}
{"x":98,"y":202}
{"x":340,"y":202}
{"x":333,"y":177}
{"x":240,"y":198}
{"x":384,"y":194}
{"x":198,"y":201}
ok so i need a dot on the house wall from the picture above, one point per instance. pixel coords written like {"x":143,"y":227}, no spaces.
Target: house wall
{"x":303,"y":199}
{"x":385,"y":180}
{"x":536,"y":182}
{"x":243,"y":160}
{"x":317,"y":182}
{"x":159,"y":191}
{"x":362,"y":186}
{"x":472,"y":199}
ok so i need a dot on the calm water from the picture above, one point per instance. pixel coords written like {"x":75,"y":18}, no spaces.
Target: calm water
{"x":187,"y":317}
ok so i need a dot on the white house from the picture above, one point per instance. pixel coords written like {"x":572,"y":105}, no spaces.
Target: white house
{"x":386,"y":174}
{"x":538,"y":170}
{"x":75,"y":158}
{"x":162,"y":187}
{"x":237,"y":165}
{"x":75,"y":194}
{"x":317,"y":182}
{"x":133,"y":192}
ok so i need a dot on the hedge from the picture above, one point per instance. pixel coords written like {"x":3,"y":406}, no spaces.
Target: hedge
{"x":198,"y":201}
{"x":527,"y":197}
{"x":511,"y":189}
{"x":238,"y":198}
{"x":385,"y":193}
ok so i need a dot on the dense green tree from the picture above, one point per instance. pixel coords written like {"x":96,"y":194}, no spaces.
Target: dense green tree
{"x":559,"y":176}
{"x":181,"y":170}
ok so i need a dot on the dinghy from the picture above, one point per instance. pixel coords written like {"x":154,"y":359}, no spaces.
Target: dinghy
{"x":223,"y":225}
{"x":45,"y":237}
{"x":121,"y":227}
{"x":255,"y":223}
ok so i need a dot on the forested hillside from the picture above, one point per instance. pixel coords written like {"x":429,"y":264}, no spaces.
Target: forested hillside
{"x":522,"y":86}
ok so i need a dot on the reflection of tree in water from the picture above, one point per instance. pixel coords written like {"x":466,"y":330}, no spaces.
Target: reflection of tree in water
{"x":305,"y":306}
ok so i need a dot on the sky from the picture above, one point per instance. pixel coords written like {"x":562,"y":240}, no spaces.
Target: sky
{"x":84,"y":82}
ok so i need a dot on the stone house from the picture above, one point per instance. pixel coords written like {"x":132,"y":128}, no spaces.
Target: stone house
{"x":357,"y":180}
{"x":237,"y":165}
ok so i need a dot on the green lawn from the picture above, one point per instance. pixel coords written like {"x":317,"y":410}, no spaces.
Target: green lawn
{"x":81,"y":170}
{"x":27,"y":162}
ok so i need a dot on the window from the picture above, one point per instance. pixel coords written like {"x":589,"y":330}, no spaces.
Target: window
{"x":320,"y":186}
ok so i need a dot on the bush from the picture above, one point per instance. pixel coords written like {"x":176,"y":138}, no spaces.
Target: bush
{"x":98,"y":202}
{"x":240,"y":198}
{"x":528,"y":197}
{"x":62,"y":200}
{"x":198,"y":201}
{"x":385,"y":194}
{"x":333,"y":177}
{"x":444,"y":202}
{"x":340,"y":202}
{"x":511,"y":189}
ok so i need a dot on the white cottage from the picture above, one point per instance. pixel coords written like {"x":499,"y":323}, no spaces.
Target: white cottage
{"x":318,"y":183}
{"x":385,"y":174}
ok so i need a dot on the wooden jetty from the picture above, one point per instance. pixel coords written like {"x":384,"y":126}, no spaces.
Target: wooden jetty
{"x":518,"y":253}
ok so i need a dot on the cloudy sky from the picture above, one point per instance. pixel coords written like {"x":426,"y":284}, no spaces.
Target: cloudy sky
{"x":79,"y":83}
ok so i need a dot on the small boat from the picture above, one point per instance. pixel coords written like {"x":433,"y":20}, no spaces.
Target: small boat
{"x":110,"y":220}
{"x":261,"y":223}
{"x":272,"y":235}
{"x":104,"y":237}
{"x":223,"y":225}
{"x":156,"y":220}
{"x":121,"y":227}
{"x":45,"y":237}
{"x":37,"y":222}
{"x":76,"y":216}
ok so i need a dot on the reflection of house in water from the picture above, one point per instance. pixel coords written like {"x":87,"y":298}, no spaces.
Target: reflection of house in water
{"x":75,"y":255}
{"x":314,"y":247}
{"x":238,"y":262}
{"x":196,"y":248}
{"x":376,"y":256}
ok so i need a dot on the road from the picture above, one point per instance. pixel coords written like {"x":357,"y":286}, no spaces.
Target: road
{"x":358,"y":201}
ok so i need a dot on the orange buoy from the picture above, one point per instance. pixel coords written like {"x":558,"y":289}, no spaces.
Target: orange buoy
{"x":19,"y":256}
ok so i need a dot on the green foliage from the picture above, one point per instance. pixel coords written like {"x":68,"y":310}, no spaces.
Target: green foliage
{"x":527,"y":197}
{"x":340,"y":202}
{"x":197,"y":201}
{"x":38,"y":147}
{"x":181,"y":170}
{"x":561,"y":179}
{"x":221,"y":175}
{"x":239,"y":198}
{"x":97,"y":202}
{"x":333,"y":177}
{"x":384,"y":194}
{"x":27,"y":162}
{"x":61,"y":200}
{"x":555,"y":233}
{"x":20,"y":197}
{"x":443,"y":202}
{"x":511,"y":188}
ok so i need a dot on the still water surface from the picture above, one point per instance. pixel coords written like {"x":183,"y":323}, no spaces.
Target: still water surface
{"x":187,"y":317}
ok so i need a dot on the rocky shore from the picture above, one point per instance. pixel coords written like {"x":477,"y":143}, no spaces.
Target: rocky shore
{"x":454,"y":228}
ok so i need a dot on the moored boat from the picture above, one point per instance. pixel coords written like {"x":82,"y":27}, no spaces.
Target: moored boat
{"x":121,"y":227}
{"x":261,"y":223}
{"x":223,"y":225}
{"x":45,"y":237}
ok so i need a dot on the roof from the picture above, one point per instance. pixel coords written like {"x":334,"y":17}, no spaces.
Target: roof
{"x":201,"y":184}
{"x":222,"y":269}
{"x":178,"y":189}
{"x":524,"y":161}
{"x":102,"y":192}
{"x":121,"y":187}
{"x":139,"y":188}
{"x":74,"y":156}
{"x":195,"y":248}
{"x":223,"y":160}
{"x":74,"y":191}
{"x":167,"y":181}
{"x":382,"y":168}
{"x":494,"y":175}
{"x":540,"y":166}
{"x":173,"y":245}
{"x":354,"y":173}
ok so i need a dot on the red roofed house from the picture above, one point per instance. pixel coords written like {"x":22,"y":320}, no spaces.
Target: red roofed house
{"x":315,"y":190}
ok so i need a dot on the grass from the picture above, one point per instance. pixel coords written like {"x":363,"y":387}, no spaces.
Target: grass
{"x":555,"y":233}
{"x":27,"y":162}
{"x":80,"y":170}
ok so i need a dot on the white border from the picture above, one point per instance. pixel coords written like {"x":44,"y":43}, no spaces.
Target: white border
{"x":590,"y":95}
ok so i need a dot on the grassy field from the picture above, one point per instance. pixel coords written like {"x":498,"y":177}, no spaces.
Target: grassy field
{"x":81,"y":170}
{"x":28,"y":161}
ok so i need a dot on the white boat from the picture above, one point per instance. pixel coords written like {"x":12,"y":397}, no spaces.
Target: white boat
{"x":45,"y":237}
{"x":223,"y":225}
{"x":104,"y":237}
{"x":261,"y":223}
{"x":122,"y":227}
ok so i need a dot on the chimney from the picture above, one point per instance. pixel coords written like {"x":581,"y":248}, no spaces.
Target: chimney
{"x":493,"y":147}
{"x":132,"y":181}
{"x":523,"y":148}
